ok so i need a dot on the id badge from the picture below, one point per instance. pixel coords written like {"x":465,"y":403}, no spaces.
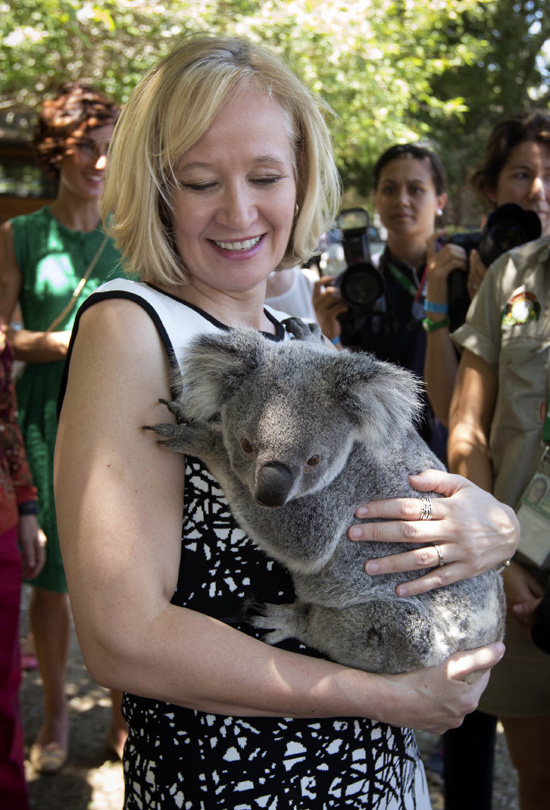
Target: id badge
{"x":534,"y":516}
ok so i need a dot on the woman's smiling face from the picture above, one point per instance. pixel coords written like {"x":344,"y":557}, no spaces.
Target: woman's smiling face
{"x":83,"y":171}
{"x":234,"y":205}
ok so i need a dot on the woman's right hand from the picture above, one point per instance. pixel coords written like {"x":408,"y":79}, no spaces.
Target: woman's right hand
{"x":438,"y":698}
{"x":328,"y":304}
{"x":443,"y":261}
{"x":523,"y":595}
{"x":39,"y":347}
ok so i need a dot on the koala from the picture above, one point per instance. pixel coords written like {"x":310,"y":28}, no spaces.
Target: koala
{"x":298,"y":437}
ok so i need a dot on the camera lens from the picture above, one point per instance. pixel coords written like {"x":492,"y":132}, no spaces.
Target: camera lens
{"x":361,"y":285}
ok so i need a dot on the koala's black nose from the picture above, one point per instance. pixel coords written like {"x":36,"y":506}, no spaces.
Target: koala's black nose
{"x":273,"y":485}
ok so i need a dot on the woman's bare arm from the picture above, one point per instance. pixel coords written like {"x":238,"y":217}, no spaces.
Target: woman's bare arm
{"x":32,"y":347}
{"x":471,"y":414}
{"x":119,"y":501}
{"x":440,"y":362}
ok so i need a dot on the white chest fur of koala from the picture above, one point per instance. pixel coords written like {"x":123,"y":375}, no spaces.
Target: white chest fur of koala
{"x":298,"y":436}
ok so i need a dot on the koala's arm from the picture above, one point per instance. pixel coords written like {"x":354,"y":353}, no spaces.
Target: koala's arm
{"x":202,"y":440}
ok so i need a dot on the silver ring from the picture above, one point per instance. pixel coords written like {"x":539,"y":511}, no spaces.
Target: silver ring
{"x":426,"y":508}
{"x":440,"y":555}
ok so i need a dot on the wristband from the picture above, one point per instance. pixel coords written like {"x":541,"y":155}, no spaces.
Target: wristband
{"x":430,"y":306}
{"x":431,"y":326}
{"x":28,"y":508}
{"x":335,"y":340}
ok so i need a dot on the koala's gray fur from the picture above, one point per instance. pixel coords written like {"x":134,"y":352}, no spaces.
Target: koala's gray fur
{"x":299,"y":436}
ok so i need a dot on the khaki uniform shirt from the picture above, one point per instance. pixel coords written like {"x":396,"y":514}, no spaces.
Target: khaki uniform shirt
{"x":508,"y":326}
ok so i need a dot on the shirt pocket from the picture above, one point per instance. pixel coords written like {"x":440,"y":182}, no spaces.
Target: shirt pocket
{"x":522,"y":385}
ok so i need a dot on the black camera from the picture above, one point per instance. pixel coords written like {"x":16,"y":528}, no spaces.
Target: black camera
{"x":507,"y":227}
{"x":360,"y":284}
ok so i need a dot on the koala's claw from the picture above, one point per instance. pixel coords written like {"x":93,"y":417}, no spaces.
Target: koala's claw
{"x":303,"y":330}
{"x":176,"y":408}
{"x":163,"y":429}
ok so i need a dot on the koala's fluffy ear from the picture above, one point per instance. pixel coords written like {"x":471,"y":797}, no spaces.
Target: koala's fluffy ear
{"x":382,"y":398}
{"x":215,"y":366}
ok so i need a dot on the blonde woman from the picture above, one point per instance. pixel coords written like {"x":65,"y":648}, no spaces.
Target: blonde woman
{"x":221,"y":172}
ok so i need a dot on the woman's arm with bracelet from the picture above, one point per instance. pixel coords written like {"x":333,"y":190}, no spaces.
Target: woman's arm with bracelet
{"x":440,"y":362}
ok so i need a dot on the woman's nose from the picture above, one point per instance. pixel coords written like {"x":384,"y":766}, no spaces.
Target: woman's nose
{"x":537,"y":187}
{"x":101,"y":162}
{"x":238,"y":209}
{"x":403,"y":196}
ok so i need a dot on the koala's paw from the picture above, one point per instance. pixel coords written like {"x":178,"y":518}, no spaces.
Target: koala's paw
{"x":179,"y":438}
{"x":284,"y":621}
{"x":303,"y":330}
{"x":176,"y":408}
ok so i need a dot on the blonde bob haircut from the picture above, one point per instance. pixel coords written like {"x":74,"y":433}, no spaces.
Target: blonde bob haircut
{"x":169,"y":111}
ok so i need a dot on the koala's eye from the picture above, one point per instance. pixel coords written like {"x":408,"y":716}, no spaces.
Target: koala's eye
{"x":247,"y":447}
{"x":313,"y":461}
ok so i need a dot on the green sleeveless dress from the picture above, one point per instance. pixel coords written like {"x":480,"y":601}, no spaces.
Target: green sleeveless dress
{"x":52,"y":260}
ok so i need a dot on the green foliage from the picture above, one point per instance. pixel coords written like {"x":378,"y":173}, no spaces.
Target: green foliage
{"x":392,"y":70}
{"x":510,"y":73}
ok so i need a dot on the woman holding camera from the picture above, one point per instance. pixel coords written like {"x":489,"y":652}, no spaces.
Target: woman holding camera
{"x":515,"y":170}
{"x":410,"y":193}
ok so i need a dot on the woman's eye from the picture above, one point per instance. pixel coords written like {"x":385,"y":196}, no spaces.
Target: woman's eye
{"x":313,"y":461}
{"x":198,"y":186}
{"x":247,"y":447}
{"x":268,"y":180}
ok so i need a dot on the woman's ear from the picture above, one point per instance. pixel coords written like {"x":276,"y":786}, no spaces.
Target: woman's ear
{"x":441,"y":203}
{"x":490,"y":194}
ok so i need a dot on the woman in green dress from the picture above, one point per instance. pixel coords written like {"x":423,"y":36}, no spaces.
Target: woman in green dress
{"x":50,"y":261}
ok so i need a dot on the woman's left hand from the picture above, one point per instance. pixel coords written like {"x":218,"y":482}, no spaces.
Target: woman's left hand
{"x":473,"y":531}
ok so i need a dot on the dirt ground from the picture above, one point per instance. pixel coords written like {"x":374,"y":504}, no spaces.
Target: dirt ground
{"x":92,"y":779}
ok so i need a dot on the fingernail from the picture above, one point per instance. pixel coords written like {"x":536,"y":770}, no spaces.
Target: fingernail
{"x":402,"y":590}
{"x":355,"y":532}
{"x":362,"y":511}
{"x":372,"y":568}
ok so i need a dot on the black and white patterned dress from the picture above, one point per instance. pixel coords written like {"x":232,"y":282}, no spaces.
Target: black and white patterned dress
{"x":178,"y":759}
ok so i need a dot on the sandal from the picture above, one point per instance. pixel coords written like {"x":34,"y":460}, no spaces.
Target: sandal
{"x":48,"y":758}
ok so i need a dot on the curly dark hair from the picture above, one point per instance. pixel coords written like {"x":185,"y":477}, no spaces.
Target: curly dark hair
{"x":507,"y":134}
{"x":64,"y":119}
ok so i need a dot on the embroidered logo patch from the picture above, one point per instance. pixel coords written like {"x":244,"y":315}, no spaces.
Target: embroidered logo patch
{"x":521,"y":308}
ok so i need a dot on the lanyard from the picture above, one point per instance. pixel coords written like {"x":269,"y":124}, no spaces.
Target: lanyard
{"x":406,"y":283}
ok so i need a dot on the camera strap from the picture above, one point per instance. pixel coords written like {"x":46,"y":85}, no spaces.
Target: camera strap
{"x":413,"y":289}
